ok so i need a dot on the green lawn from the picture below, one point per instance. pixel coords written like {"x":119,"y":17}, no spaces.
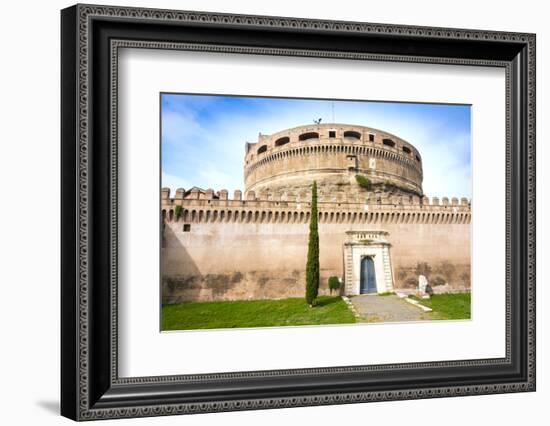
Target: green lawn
{"x":448,"y":306}
{"x":255,"y":313}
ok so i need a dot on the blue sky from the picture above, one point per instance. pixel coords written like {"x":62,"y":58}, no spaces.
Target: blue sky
{"x":203,"y":137}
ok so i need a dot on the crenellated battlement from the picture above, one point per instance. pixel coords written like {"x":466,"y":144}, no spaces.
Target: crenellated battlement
{"x":199,"y":205}
{"x":198,"y":194}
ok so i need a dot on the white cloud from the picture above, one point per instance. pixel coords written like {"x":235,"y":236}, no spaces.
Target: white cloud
{"x":212,"y":177}
{"x":445,"y":172}
{"x":179,"y":126}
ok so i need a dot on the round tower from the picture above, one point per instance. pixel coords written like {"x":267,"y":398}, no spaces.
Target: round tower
{"x":333,"y":155}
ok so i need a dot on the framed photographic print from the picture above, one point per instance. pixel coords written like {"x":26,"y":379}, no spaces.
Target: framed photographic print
{"x":263,"y":212}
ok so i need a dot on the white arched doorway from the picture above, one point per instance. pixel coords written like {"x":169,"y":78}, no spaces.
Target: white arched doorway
{"x":367,"y":263}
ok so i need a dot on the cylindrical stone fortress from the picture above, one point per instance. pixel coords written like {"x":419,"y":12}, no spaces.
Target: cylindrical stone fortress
{"x":332,"y":154}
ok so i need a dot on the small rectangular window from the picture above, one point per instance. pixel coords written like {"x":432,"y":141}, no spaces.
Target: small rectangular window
{"x":332,"y":134}
{"x":187,"y":227}
{"x":371,"y":137}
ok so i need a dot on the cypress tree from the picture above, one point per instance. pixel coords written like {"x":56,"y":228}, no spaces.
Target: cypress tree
{"x":312,"y":265}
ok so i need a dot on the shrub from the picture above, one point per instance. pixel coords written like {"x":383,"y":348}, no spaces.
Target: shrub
{"x":312,"y":264}
{"x":333,"y":284}
{"x":179,"y":212}
{"x":438,"y":280}
{"x":363,"y":181}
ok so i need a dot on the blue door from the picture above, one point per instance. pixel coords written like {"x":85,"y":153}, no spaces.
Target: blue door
{"x":368,"y":278}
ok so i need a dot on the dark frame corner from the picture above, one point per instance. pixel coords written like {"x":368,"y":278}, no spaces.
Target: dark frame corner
{"x":90,"y":386}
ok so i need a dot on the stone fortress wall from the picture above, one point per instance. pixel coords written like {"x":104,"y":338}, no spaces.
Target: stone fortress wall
{"x":221,"y":247}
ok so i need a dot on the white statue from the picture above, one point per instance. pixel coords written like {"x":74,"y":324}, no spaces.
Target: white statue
{"x":422,"y":283}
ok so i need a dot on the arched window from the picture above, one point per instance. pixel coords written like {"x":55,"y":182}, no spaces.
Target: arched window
{"x":352,"y":135}
{"x":261,"y":149}
{"x":388,"y":142}
{"x":282,"y":141}
{"x":418,"y":158}
{"x":309,"y":135}
{"x":406,"y":150}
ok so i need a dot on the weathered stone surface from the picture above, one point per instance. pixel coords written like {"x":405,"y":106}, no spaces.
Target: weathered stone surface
{"x":235,"y":286}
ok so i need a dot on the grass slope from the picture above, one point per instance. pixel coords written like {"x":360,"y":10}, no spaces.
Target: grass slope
{"x":255,"y":313}
{"x":448,"y":306}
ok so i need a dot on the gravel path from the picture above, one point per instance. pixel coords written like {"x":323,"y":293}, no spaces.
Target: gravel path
{"x":373,"y":308}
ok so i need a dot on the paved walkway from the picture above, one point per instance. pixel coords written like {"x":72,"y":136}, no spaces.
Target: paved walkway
{"x":373,"y":308}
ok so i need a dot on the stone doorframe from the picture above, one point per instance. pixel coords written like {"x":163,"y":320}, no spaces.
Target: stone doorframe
{"x":360,"y":244}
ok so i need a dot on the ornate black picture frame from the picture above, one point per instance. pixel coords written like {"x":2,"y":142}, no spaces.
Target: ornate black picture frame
{"x":91,"y":37}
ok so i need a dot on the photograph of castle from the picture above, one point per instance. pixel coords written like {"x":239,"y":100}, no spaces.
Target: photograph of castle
{"x":286,"y":212}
